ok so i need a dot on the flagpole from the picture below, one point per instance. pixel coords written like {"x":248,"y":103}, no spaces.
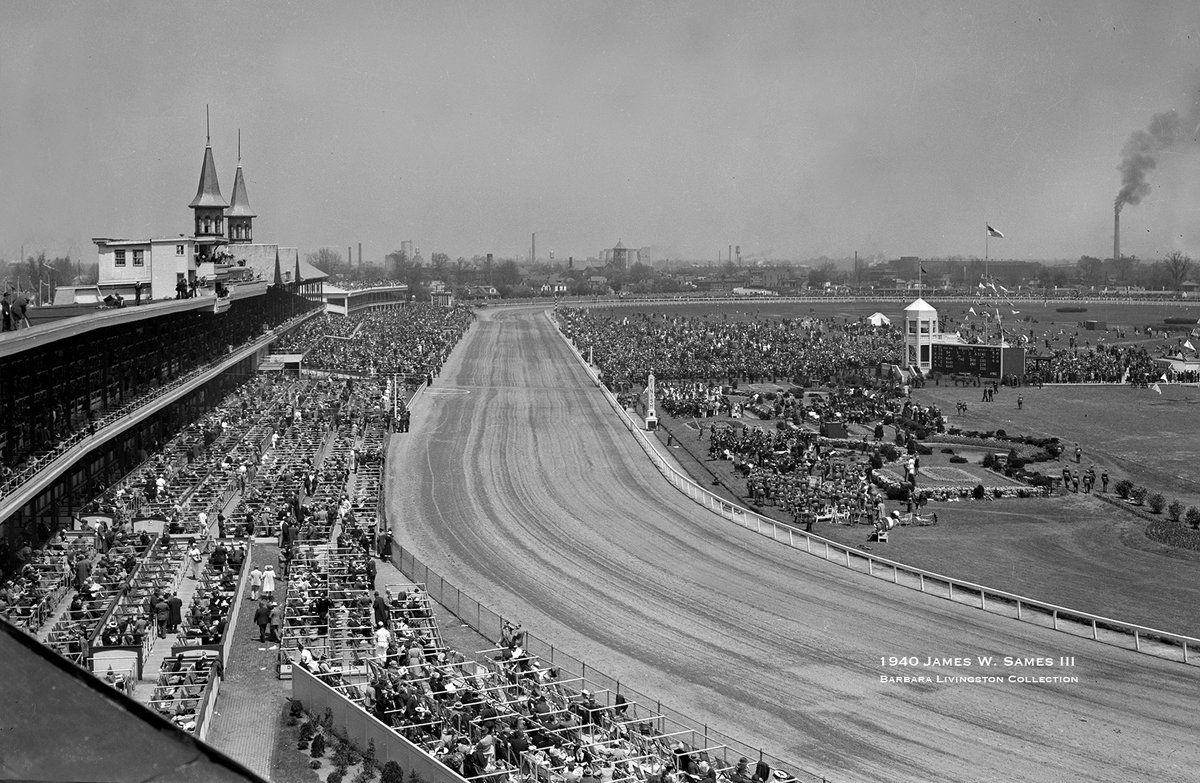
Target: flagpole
{"x":986,"y":235}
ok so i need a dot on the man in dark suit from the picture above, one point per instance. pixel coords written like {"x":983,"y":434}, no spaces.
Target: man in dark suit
{"x":175,"y":617}
{"x":382,"y":614}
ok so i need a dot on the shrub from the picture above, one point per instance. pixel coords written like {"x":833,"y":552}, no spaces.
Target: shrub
{"x":369,"y":759}
{"x":958,"y":460}
{"x":314,"y":764}
{"x":335,"y":776}
{"x":947,"y":451}
{"x":413,"y":777}
{"x":1157,"y":501}
{"x":1123,"y":488}
{"x":392,"y":773}
{"x":318,"y":746}
{"x":989,"y":460}
{"x":1175,"y":511}
{"x":1139,"y":494}
{"x":1001,"y":434}
{"x":341,"y":757}
{"x":296,"y":709}
{"x":978,"y":492}
{"x":1193,"y":517}
{"x":307,"y":730}
{"x":998,"y":493}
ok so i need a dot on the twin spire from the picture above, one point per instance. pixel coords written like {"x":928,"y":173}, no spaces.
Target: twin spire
{"x":209,"y":200}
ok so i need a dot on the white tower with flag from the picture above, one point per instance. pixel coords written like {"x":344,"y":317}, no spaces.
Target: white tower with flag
{"x":921,"y":331}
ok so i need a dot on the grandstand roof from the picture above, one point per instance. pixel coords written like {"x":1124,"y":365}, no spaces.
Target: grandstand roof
{"x":208,"y":193}
{"x":261,"y":258}
{"x":63,"y":723}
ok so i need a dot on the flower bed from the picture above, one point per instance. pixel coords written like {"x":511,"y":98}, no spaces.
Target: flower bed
{"x":897,"y":489}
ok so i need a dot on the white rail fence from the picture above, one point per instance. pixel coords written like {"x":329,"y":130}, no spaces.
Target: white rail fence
{"x":1151,"y":641}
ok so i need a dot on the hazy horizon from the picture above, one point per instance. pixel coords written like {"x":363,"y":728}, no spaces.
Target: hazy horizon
{"x":795,"y":130}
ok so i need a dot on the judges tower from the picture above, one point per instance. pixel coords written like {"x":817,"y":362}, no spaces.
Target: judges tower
{"x":920,"y":333}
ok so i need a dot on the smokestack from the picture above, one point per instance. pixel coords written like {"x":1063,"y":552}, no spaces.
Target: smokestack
{"x":1117,"y":233}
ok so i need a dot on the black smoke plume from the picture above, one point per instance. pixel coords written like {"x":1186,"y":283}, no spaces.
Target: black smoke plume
{"x":1166,"y":131}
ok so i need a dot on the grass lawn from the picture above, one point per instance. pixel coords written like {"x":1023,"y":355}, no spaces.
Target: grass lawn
{"x":289,"y":765}
{"x":1148,"y":438}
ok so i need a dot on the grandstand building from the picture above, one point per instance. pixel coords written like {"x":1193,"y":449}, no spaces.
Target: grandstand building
{"x":86,"y":393}
{"x":341,"y":300}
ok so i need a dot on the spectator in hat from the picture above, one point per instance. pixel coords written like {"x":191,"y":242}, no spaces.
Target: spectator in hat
{"x":276,"y":622}
{"x":162,"y":616}
{"x":268,"y":582}
{"x":262,"y":618}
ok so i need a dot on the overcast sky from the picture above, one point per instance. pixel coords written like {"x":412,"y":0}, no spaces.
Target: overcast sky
{"x":794,"y":130}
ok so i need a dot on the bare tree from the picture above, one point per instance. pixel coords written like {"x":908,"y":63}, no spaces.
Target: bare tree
{"x":328,"y":261}
{"x":1177,"y":266}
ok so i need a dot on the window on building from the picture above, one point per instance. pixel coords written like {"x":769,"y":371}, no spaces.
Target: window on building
{"x":179,"y":250}
{"x":119,"y":258}
{"x":219,"y":229}
{"x":139,"y":258}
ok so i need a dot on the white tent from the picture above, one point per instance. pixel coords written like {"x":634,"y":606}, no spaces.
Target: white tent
{"x":878,"y":319}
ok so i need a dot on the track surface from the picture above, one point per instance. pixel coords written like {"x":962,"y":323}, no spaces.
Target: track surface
{"x":518,"y":483}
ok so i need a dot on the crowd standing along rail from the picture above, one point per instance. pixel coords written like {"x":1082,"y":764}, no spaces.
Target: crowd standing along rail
{"x":1151,"y":641}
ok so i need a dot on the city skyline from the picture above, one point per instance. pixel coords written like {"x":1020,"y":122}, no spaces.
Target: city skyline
{"x":793,"y":130}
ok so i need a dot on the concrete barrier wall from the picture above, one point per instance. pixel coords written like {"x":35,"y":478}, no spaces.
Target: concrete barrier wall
{"x":360,"y":727}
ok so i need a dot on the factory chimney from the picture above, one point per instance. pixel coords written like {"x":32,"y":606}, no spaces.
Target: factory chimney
{"x":1117,"y":233}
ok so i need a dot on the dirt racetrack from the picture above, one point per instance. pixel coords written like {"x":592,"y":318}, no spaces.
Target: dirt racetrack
{"x":518,"y":483}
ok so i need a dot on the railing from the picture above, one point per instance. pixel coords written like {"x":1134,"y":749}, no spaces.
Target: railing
{"x":1163,"y":644}
{"x":491,"y":625}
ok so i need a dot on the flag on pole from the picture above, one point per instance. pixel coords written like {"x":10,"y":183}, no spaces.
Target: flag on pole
{"x":1188,"y":344}
{"x":992,"y":286}
{"x":1163,"y":378}
{"x":1016,"y":312}
{"x":923,"y":271}
{"x":1005,"y":290}
{"x":993,"y":232}
{"x":1156,"y":388}
{"x":972,"y":311}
